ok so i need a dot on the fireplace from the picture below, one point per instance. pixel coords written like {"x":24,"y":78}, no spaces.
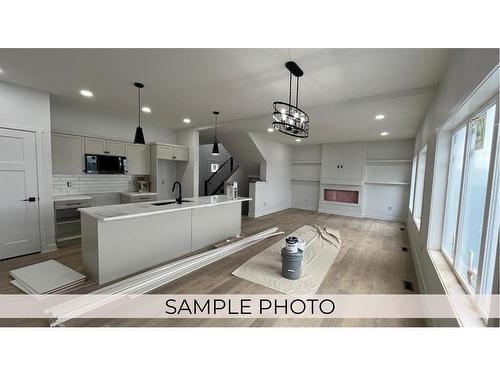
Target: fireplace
{"x":341,"y":196}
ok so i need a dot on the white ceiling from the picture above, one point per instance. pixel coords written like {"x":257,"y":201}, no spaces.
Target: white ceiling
{"x":342,"y":89}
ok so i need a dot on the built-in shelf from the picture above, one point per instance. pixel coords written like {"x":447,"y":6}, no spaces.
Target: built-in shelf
{"x":68,"y":220}
{"x":306,"y":162}
{"x":386,"y":183}
{"x":387,"y":161}
{"x":304,"y":179}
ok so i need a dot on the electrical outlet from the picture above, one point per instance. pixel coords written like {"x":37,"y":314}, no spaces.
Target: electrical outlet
{"x":163,"y":182}
{"x":68,"y":184}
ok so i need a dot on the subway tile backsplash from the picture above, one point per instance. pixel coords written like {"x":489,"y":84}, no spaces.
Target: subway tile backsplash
{"x":92,"y":184}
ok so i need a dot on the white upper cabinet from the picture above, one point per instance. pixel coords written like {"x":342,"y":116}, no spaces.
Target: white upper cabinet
{"x":352,"y":164}
{"x":181,"y":153}
{"x":95,"y":146}
{"x":165,"y":152}
{"x":170,"y":152}
{"x":68,"y":154}
{"x":331,"y":162}
{"x":343,"y":163}
{"x":138,"y":159}
{"x":104,"y":147}
{"x":115,"y":148}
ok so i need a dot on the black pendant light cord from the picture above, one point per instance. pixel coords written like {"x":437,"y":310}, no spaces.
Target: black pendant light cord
{"x":139,"y":108}
{"x":297,"y":95}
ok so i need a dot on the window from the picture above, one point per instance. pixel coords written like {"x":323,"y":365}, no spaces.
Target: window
{"x":419,"y":187}
{"x":412,"y":184}
{"x":471,"y":221}
{"x":453,"y":190}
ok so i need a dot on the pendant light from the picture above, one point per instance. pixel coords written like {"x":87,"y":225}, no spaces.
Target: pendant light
{"x":215,"y":148}
{"x":139,"y":135}
{"x":289,"y":119}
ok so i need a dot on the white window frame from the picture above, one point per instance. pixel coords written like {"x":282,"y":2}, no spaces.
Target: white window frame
{"x":495,"y":154}
{"x":419,"y":197}
{"x":412,"y":183}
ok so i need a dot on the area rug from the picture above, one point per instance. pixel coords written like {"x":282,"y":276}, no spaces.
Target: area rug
{"x":322,"y":245}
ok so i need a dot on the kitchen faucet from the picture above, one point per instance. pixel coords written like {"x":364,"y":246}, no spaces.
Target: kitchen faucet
{"x":178,"y":200}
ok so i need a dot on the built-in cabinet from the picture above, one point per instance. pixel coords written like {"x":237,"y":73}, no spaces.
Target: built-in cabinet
{"x":171,"y":152}
{"x":68,"y":154}
{"x":104,"y":147}
{"x":138,"y":159}
{"x":343,"y":163}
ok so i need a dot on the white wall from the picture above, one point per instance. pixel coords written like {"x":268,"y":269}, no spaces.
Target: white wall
{"x":273,"y":194}
{"x":67,"y":118}
{"x":467,"y":68}
{"x":30,"y":109}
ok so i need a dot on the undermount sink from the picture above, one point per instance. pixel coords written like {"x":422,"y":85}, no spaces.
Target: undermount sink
{"x":165,"y":203}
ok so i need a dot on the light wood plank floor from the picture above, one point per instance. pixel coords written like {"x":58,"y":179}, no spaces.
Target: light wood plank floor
{"x":370,"y":261}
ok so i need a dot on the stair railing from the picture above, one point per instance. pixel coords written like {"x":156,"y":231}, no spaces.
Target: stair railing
{"x":217,"y":179}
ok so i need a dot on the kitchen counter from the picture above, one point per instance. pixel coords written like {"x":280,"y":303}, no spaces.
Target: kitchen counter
{"x":64,"y":198}
{"x":131,"y":210}
{"x":120,"y":240}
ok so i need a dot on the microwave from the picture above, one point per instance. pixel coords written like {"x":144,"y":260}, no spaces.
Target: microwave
{"x":105,"y":164}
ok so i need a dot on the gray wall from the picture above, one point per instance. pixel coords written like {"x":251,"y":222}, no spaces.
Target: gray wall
{"x":205,"y":159}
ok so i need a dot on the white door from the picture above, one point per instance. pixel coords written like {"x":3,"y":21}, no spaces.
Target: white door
{"x":19,"y":224}
{"x":352,"y":163}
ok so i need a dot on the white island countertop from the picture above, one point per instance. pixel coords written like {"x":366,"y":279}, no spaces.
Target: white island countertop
{"x":133,"y":210}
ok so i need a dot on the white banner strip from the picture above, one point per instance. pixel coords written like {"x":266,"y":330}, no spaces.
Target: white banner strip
{"x":249,"y":306}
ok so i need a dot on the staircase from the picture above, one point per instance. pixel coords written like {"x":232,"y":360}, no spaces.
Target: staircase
{"x":215,"y":183}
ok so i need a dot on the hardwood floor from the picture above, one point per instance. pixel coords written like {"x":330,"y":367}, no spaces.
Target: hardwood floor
{"x":370,"y":261}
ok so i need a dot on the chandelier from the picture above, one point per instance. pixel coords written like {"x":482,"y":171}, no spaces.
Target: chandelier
{"x":288,"y":118}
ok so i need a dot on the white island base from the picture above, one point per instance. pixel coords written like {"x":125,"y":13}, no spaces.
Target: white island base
{"x":120,"y":240}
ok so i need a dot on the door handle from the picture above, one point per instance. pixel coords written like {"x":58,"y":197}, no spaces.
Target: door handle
{"x":30,"y":199}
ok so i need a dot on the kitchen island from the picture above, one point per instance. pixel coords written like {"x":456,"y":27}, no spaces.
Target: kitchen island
{"x":119,"y":240}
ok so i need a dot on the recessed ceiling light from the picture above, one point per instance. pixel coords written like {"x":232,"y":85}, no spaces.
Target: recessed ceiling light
{"x":146,"y":109}
{"x":186,"y":121}
{"x":86,"y":93}
{"x":383,"y":134}
{"x":379,"y":117}
{"x":298,"y":140}
{"x":270,"y":130}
